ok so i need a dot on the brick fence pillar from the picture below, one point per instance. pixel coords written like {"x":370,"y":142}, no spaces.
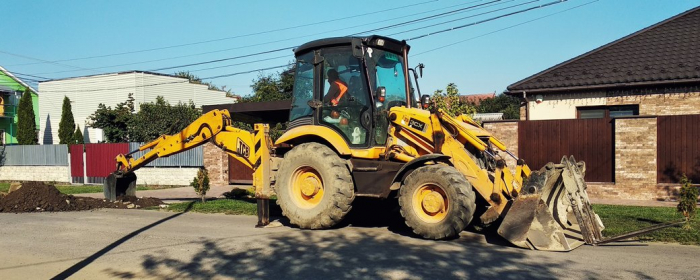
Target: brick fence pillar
{"x":216,"y":162}
{"x":635,"y":158}
{"x":507,"y":132}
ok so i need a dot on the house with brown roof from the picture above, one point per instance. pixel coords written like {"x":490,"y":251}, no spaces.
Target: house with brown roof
{"x":475,"y":99}
{"x":655,"y":71}
{"x":630,"y":109}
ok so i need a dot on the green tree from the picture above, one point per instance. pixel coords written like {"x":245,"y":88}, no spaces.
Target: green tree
{"x":502,"y":103}
{"x":114,"y":122}
{"x":201,"y":183}
{"x":78,"y":136}
{"x":197,"y":80}
{"x":67,"y":125}
{"x":449,"y":102}
{"x":26,"y":120}
{"x":157,"y":118}
{"x":272,"y":87}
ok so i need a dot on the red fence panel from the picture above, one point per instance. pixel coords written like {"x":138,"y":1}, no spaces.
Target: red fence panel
{"x":678,"y":148}
{"x":589,"y":140}
{"x":76,"y":163}
{"x":100,"y":159}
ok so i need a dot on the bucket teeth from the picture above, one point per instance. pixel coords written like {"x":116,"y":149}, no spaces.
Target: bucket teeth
{"x":552,"y":212}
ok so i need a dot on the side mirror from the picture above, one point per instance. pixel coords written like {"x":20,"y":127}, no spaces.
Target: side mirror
{"x":381,"y":94}
{"x":425,"y":101}
{"x":420,"y":69}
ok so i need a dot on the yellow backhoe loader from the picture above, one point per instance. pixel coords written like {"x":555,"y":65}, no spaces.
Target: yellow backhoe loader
{"x":358,"y":127}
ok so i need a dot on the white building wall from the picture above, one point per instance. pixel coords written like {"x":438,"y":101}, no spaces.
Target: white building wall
{"x":86,"y":93}
{"x":562,"y":106}
{"x":35,"y":173}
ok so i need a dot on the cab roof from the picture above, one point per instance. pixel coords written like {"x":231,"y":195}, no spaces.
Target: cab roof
{"x":389,"y":43}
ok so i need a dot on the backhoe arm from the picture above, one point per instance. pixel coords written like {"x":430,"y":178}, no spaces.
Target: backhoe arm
{"x":197,"y":133}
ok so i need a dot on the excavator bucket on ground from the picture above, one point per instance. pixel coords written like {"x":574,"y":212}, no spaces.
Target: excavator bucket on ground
{"x":118,"y":184}
{"x":552,"y":211}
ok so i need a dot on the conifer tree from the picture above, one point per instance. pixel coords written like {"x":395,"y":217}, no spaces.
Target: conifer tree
{"x":26,"y":121}
{"x":66,"y":127}
{"x":78,"y":136}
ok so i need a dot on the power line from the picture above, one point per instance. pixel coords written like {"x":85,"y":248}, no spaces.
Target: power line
{"x":487,"y":20}
{"x":267,"y":43}
{"x":39,"y":77}
{"x":463,"y":18}
{"x":126,"y":78}
{"x":426,"y":18}
{"x":246,"y":72}
{"x":506,"y":28}
{"x":291,"y":47}
{"x":242,"y":63}
{"x":238,"y":36}
{"x":46,"y":61}
{"x":416,"y":38}
{"x":224,"y":59}
{"x":167,"y":83}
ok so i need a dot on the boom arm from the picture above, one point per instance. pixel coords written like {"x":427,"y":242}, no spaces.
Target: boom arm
{"x":214,"y":125}
{"x":250,"y":148}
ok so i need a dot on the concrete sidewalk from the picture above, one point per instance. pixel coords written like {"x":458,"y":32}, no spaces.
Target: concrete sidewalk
{"x":173,"y":195}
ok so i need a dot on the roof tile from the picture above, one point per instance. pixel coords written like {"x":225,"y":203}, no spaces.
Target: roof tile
{"x":663,"y":52}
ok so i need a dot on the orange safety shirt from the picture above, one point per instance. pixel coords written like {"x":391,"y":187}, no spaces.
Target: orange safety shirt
{"x":343,"y":88}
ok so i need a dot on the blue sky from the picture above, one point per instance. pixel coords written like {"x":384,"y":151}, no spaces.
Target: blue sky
{"x":51,"y":39}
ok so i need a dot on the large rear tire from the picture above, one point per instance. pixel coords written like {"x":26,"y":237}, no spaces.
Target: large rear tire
{"x":437,"y":202}
{"x":314,"y":187}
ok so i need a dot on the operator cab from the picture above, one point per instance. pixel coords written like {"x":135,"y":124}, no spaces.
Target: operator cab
{"x":348,"y":84}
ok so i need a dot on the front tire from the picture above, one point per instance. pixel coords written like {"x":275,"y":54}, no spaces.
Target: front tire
{"x":437,"y":202}
{"x":314,"y":187}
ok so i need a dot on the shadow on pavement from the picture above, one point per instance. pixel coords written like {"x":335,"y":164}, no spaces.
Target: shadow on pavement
{"x":82,"y":264}
{"x":340,"y":253}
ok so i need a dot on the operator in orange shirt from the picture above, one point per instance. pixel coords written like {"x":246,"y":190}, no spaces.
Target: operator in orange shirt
{"x":337,"y":89}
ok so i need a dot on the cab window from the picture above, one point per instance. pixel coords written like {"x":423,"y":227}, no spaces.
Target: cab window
{"x":346,"y":102}
{"x":303,"y":87}
{"x":387,"y":72}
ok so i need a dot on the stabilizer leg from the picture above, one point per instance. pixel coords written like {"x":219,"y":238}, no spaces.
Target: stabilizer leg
{"x":263,"y":212}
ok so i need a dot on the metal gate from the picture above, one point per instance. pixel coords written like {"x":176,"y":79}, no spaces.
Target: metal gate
{"x":678,"y":148}
{"x":589,"y":140}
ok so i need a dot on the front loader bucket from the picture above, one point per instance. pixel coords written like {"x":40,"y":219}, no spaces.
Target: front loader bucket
{"x":552,"y":212}
{"x":117,"y":184}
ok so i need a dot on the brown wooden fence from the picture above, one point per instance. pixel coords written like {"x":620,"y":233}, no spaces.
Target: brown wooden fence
{"x":238,"y":173}
{"x":678,"y":148}
{"x":590,"y":140}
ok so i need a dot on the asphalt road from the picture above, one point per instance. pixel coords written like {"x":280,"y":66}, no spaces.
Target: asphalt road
{"x":114,"y":243}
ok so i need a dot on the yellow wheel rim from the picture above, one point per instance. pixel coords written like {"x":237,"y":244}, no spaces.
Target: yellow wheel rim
{"x":430,"y":203}
{"x":307,"y":187}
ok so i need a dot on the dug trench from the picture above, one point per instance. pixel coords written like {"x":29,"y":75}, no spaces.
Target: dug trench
{"x":40,"y":197}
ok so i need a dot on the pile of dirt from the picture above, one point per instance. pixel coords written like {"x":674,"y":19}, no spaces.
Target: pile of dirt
{"x":38,"y":197}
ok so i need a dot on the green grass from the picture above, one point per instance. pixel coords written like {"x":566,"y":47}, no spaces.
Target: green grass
{"x":4,"y":187}
{"x":226,"y":206}
{"x":621,"y":219}
{"x":229,"y":206}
